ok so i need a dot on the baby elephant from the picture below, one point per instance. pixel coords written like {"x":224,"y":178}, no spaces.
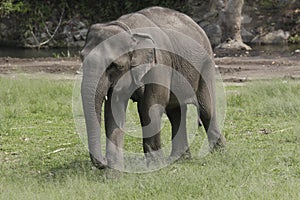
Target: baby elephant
{"x":159,"y":58}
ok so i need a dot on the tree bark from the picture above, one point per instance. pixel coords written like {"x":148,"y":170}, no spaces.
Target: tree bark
{"x":230,"y":22}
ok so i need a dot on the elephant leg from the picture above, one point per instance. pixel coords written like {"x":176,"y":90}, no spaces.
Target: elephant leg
{"x":150,"y":111}
{"x":115,"y":113}
{"x":177,"y":117}
{"x":207,"y":111}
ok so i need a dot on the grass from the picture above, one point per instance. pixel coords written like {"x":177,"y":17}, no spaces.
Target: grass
{"x":42,"y":157}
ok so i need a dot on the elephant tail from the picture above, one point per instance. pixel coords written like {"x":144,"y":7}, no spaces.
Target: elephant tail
{"x":199,"y":122}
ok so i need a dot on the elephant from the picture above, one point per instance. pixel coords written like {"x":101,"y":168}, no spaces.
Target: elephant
{"x":145,"y":56}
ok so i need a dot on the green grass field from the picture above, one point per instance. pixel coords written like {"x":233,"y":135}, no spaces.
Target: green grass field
{"x":42,"y":156}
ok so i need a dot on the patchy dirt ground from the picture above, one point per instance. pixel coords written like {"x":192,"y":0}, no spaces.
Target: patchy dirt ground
{"x":33,"y":65}
{"x":232,"y":69}
{"x":240,"y":69}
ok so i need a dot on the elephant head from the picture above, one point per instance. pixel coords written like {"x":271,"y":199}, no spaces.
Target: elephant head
{"x":110,"y":51}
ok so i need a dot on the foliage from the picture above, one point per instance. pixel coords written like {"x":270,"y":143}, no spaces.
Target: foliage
{"x":34,"y":16}
{"x":8,"y":7}
{"x":42,"y":157}
{"x":274,"y":4}
{"x":99,"y":11}
{"x":294,"y":39}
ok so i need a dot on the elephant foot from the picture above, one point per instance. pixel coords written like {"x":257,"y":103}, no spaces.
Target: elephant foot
{"x":219,"y":145}
{"x":186,"y":155}
{"x":118,"y":165}
{"x":155,"y":159}
{"x":179,"y":156}
{"x":112,"y":174}
{"x":99,"y":164}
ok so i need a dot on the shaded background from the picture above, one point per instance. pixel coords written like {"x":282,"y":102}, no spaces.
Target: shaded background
{"x":65,"y":23}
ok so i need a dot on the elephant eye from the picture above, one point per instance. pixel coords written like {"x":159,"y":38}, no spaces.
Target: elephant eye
{"x":119,"y":67}
{"x":110,"y":68}
{"x":113,"y":67}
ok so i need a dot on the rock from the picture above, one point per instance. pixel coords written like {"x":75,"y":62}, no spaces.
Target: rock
{"x":44,"y":35}
{"x":80,"y":34}
{"x":83,"y":33}
{"x":275,"y":37}
{"x":67,"y":29}
{"x":77,"y":35}
{"x":246,"y":19}
{"x":3,"y":28}
{"x":234,"y":45}
{"x":30,"y":40}
{"x":49,"y":25}
{"x":79,"y":43}
{"x":75,"y":23}
{"x":81,"y":25}
{"x":211,"y":15}
{"x":246,"y":35}
{"x":86,"y":22}
{"x":66,"y":35}
{"x":197,"y":19}
{"x":4,"y":33}
{"x":204,"y":24}
{"x":69,"y":40}
{"x":214,"y":34}
{"x":75,"y":30}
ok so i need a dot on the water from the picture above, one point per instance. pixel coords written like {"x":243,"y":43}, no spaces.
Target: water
{"x":15,"y":52}
{"x":258,"y":50}
{"x":271,"y":51}
{"x":274,"y":50}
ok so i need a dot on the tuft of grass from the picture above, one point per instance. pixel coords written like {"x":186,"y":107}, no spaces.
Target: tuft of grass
{"x":41,"y":156}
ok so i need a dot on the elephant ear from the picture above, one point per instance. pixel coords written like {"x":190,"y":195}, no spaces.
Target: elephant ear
{"x":143,"y":56}
{"x":144,"y":49}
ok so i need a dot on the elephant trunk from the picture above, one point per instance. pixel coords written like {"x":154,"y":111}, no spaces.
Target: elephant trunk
{"x":93,"y":92}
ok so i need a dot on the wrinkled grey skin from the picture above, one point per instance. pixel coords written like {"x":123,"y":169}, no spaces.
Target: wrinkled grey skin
{"x":152,"y":99}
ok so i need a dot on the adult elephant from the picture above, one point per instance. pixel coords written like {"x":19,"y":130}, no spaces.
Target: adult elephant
{"x":159,"y":58}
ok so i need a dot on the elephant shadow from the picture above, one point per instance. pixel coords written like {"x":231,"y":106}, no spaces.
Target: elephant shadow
{"x":75,"y":168}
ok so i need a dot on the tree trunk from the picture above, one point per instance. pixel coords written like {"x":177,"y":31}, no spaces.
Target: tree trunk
{"x":230,"y":21}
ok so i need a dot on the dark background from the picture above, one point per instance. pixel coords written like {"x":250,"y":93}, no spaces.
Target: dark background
{"x":23,"y":22}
